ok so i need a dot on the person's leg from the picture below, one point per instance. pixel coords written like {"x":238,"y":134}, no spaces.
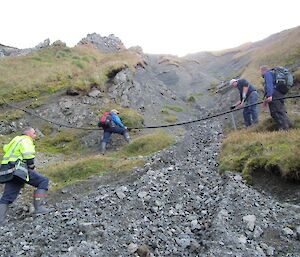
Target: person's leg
{"x":122,"y":131}
{"x":279,"y":112}
{"x":253,"y":109}
{"x":41,"y":183}
{"x":11,"y":192}
{"x":247,"y":119}
{"x":3,"y":211}
{"x":127,"y":136}
{"x":38,"y":180}
{"x":105,"y":139}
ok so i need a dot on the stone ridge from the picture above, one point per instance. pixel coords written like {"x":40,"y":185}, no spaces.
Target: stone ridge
{"x":105,"y":44}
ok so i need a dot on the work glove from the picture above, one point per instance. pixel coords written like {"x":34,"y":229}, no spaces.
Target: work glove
{"x":232,"y":107}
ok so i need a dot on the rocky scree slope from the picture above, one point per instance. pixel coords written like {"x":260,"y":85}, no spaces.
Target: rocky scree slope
{"x":176,"y":205}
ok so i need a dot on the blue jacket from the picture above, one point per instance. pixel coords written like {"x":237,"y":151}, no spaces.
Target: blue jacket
{"x":269,"y":83}
{"x":116,"y":120}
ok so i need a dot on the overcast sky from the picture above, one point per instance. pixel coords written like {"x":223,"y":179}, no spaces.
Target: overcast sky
{"x":174,"y":27}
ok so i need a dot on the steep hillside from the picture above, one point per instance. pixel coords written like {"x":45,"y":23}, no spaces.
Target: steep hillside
{"x":162,"y":194}
{"x":281,"y":49}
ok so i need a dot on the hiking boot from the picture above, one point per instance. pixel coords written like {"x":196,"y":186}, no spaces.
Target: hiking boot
{"x":39,"y":201}
{"x":127,"y":137}
{"x":3,"y":210}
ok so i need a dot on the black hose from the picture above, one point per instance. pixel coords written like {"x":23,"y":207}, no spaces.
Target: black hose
{"x":149,"y":127}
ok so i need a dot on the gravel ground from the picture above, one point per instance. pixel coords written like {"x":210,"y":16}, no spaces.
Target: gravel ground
{"x":176,"y":205}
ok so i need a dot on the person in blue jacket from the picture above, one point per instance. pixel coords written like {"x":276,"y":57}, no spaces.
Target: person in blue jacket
{"x":248,"y":97}
{"x":117,"y":126}
{"x":277,"y":108}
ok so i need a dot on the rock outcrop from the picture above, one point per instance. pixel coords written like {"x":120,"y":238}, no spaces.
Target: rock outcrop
{"x":105,"y":44}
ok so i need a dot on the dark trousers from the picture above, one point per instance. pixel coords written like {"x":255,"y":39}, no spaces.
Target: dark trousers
{"x":278,"y":112}
{"x":250,"y":113}
{"x":13,"y":187}
{"x":108,"y":131}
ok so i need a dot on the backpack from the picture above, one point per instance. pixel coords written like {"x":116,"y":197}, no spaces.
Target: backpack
{"x":105,"y":120}
{"x":283,"y":79}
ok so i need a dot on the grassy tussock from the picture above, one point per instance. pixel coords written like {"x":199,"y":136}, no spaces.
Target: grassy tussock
{"x":70,"y":172}
{"x":131,"y":117}
{"x":65,"y":141}
{"x":9,"y":116}
{"x":170,"y":118}
{"x":174,"y":108}
{"x":246,"y":151}
{"x":147,"y":144}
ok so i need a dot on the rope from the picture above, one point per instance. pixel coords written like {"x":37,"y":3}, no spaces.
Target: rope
{"x":45,"y":119}
{"x":148,"y":127}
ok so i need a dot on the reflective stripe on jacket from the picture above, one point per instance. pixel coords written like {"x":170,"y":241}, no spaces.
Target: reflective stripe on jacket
{"x":20,"y":147}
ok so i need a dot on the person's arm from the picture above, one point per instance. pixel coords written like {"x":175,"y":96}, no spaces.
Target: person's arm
{"x":269,"y":87}
{"x":117,"y":121}
{"x":30,"y":163}
{"x":27,"y":149}
{"x":244,"y":93}
{"x":235,"y":105}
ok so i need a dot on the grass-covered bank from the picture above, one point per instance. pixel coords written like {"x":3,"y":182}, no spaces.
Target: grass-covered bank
{"x":69,"y":172}
{"x":245,"y":151}
{"x":55,"y":68}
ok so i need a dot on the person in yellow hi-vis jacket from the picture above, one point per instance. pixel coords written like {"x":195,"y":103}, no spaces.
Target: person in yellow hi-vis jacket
{"x":17,"y":168}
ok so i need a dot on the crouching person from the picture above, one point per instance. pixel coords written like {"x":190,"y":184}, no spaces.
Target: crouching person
{"x":17,"y":168}
{"x":115,"y":125}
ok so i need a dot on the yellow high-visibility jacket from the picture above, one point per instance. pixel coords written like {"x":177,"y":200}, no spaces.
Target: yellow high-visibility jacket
{"x":19,"y":148}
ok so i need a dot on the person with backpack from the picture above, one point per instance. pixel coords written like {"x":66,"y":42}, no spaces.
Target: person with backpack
{"x":272,"y":91}
{"x":111,"y":123}
{"x":18,"y":168}
{"x":248,"y":97}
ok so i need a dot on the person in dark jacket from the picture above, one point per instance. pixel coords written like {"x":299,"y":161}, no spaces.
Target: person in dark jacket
{"x":18,"y":158}
{"x":117,"y":126}
{"x":248,"y":96}
{"x":277,"y":108}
